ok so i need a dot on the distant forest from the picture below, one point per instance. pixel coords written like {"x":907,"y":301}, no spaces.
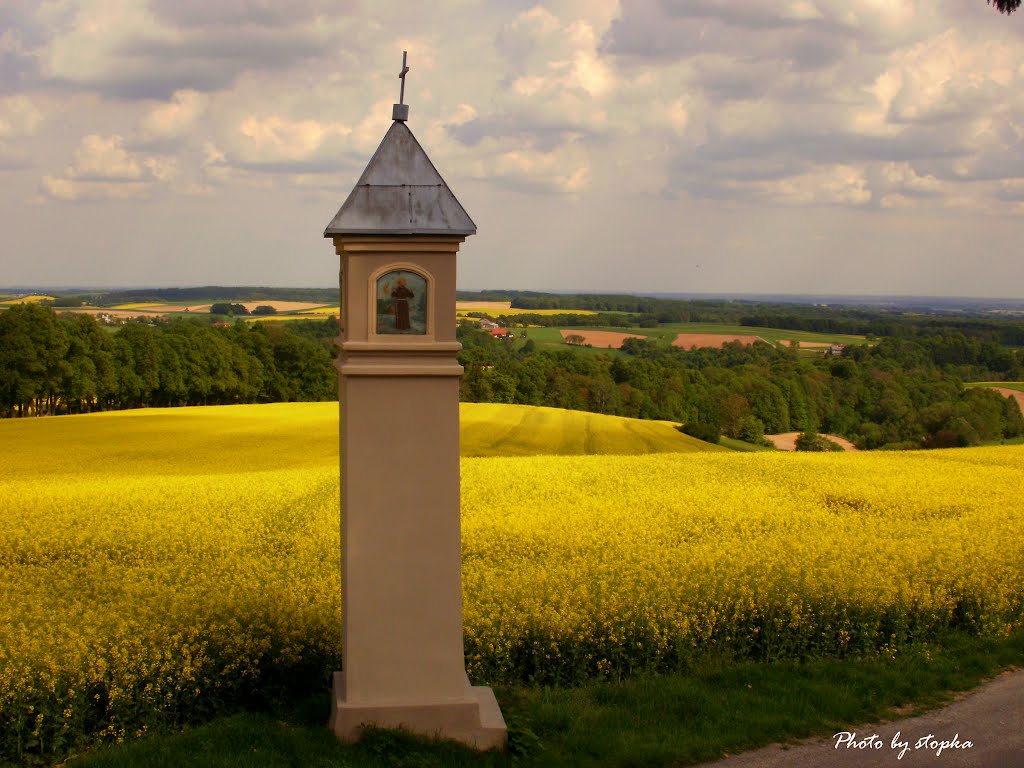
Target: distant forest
{"x":904,"y":391}
{"x":207,"y":293}
{"x":52,"y":364}
{"x":899,"y":393}
{"x":843,"y":320}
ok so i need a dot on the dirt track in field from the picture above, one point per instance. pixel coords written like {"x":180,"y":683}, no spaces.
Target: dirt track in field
{"x":602,"y":339}
{"x":122,"y":313}
{"x":807,"y":344}
{"x":483,"y":305}
{"x":715,"y":340}
{"x":1016,"y":394}
{"x":787,"y":441}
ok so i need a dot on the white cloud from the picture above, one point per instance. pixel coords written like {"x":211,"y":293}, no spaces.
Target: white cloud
{"x":903,"y":176}
{"x":563,"y":170}
{"x":835,"y":185}
{"x":175,"y":118}
{"x":88,"y":50}
{"x":947,"y":77}
{"x":762,"y":108}
{"x":275,"y":138}
{"x":102,"y":168}
{"x":19,"y":117}
{"x":123,"y":49}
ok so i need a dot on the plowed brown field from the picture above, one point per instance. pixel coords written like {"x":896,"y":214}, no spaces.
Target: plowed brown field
{"x":716,"y":340}
{"x":1016,"y":394}
{"x":603,"y":339}
{"x":807,"y":344}
{"x":787,"y":441}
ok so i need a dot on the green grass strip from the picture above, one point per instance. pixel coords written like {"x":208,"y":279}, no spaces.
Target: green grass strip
{"x":1015,"y":385}
{"x":681,"y":719}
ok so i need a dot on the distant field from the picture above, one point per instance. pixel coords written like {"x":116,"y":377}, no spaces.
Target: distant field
{"x":490,"y":429}
{"x":602,"y":339}
{"x":283,"y":306}
{"x":24,"y":299}
{"x":777,"y":336}
{"x":508,"y":312}
{"x":552,"y":338}
{"x":125,"y":314}
{"x":786,"y":441}
{"x":482,"y":306}
{"x":711,"y":340}
{"x":143,"y":309}
{"x":1014,"y":389}
{"x":1015,"y":385}
{"x":298,"y":316}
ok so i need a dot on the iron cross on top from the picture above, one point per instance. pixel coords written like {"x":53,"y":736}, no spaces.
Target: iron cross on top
{"x":400,"y":111}
{"x":401,"y":76}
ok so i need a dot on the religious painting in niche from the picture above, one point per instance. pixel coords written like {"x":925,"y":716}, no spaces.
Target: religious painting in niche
{"x":401,"y":302}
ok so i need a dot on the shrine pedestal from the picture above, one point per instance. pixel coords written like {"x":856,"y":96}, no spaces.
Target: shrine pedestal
{"x":397,"y":236}
{"x":475,"y":721}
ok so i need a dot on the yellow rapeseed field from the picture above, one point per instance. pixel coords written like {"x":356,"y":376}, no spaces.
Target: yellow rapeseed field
{"x":27,"y":299}
{"x":494,"y":429}
{"x":161,"y":565}
{"x":509,"y":312}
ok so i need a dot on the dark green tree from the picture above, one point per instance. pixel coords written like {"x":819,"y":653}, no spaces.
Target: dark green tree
{"x":226,"y":308}
{"x":1005,"y":6}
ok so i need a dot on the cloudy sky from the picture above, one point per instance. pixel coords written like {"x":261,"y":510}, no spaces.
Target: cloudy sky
{"x":772,"y":146}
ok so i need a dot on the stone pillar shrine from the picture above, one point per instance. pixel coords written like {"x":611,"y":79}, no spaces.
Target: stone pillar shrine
{"x":397,"y":234}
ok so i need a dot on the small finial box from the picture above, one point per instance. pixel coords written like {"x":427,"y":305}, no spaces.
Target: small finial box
{"x":400,"y":112}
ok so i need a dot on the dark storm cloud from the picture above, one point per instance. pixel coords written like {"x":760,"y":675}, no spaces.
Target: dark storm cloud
{"x":543,"y":137}
{"x":728,"y":60}
{"x":1011,"y":195}
{"x":206,"y":60}
{"x":342,"y":166}
{"x":660,"y":31}
{"x":707,"y":170}
{"x":18,"y":20}
{"x":811,"y":52}
{"x":20,"y":38}
{"x":12,"y":160}
{"x":262,"y":13}
{"x":17,"y":71}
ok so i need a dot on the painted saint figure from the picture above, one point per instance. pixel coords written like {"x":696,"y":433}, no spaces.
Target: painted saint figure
{"x":401,"y":295}
{"x":402,"y":303}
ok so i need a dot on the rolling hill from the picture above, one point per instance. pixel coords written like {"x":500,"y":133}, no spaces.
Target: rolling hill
{"x":286,"y":435}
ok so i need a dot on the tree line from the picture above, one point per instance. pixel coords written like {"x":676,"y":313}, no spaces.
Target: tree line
{"x":998,"y":332}
{"x":900,"y":393}
{"x":855,"y":321}
{"x":199,"y":294}
{"x":58,"y":364}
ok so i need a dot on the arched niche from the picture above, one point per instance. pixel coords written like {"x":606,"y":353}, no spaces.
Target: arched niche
{"x":401,"y":302}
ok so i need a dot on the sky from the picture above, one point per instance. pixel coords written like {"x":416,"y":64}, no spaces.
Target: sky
{"x":764,"y":146}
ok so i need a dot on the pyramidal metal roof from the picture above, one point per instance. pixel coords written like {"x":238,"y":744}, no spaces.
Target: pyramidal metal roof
{"x":401,"y":193}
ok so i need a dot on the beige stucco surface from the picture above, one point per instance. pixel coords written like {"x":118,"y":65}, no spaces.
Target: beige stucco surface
{"x":401,"y":540}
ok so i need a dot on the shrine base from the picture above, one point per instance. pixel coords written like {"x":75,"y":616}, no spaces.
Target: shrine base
{"x":475,"y":721}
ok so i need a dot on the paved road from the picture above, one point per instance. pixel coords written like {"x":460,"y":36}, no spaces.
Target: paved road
{"x":991,"y":719}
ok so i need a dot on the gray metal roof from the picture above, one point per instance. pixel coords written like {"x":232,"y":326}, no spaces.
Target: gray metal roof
{"x":401,"y":193}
